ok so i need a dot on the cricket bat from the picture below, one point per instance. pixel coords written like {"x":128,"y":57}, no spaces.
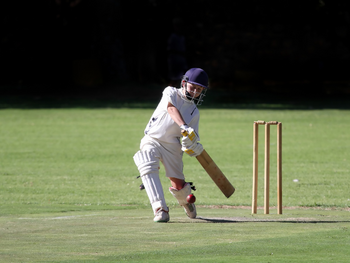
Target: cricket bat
{"x":214,"y":172}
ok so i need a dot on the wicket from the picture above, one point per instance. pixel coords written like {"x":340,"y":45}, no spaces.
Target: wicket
{"x":267,"y":166}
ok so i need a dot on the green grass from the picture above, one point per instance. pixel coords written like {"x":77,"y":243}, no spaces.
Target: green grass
{"x":69,"y":192}
{"x":130,"y":235}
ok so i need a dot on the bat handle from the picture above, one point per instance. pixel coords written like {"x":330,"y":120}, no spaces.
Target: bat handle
{"x":184,"y":133}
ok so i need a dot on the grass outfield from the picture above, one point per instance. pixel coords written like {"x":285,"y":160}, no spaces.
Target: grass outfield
{"x":221,"y":235}
{"x":69,"y":191}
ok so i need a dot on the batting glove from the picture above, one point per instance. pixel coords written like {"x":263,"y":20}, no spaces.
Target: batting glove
{"x":190,"y":138}
{"x":195,"y":150}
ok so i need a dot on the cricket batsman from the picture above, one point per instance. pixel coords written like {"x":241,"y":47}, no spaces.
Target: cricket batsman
{"x":176,"y":112}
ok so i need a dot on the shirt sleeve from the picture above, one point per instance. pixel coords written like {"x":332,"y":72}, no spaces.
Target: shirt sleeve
{"x":173,"y":98}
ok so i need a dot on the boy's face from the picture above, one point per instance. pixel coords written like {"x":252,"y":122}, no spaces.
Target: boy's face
{"x":194,"y":90}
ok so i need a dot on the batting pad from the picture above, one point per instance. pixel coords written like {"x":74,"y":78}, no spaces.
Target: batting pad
{"x":181,"y":195}
{"x":148,"y":167}
{"x":146,"y":162}
{"x":154,"y":191}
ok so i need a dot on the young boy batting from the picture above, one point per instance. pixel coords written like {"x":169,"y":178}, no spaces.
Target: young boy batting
{"x":176,"y":112}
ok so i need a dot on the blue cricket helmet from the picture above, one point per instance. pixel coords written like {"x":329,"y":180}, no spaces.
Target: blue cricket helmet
{"x":196,"y":76}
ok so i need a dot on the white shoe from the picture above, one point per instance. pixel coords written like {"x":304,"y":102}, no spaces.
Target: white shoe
{"x":190,"y":210}
{"x":161,"y":216}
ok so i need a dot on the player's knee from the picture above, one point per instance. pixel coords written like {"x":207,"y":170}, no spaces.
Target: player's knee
{"x":177,"y":183}
{"x":146,"y":162}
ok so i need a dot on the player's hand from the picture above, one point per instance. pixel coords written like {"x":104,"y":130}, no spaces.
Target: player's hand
{"x":190,"y":137}
{"x":195,"y":150}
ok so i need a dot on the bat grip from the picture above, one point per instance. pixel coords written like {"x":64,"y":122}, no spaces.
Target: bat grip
{"x":184,"y":133}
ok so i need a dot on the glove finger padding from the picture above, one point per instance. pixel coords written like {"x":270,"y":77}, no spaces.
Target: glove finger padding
{"x":195,"y":150}
{"x":186,"y":142}
{"x":190,"y":138}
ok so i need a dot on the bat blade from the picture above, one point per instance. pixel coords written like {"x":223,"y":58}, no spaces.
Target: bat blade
{"x":216,"y":174}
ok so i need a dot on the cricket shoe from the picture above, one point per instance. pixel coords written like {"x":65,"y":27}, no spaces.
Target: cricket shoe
{"x":190,"y":210}
{"x":161,"y":216}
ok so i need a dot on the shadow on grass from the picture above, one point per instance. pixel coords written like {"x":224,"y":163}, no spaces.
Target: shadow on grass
{"x":255,"y":220}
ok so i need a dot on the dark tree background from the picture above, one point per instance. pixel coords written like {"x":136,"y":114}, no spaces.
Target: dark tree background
{"x":294,"y":47}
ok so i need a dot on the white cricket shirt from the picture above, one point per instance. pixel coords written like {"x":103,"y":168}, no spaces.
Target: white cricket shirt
{"x":162,"y":127}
